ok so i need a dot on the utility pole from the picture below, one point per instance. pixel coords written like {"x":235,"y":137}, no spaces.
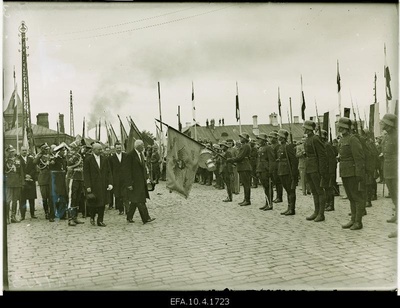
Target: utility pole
{"x":26,"y":110}
{"x":71,"y":115}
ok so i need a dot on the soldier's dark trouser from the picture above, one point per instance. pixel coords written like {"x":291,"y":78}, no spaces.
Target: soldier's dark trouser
{"x":356,"y":198}
{"x":75,"y":195}
{"x":265,"y":182}
{"x":23,"y":205}
{"x":286,"y":181}
{"x":82,"y":205}
{"x":392,"y":187}
{"x":254,"y":179}
{"x":228,"y":178}
{"x":245,"y":179}
{"x":111,"y":198}
{"x":45,"y":192}
{"x":314,"y":180}
{"x":99,"y":210}
{"x":278,"y":185}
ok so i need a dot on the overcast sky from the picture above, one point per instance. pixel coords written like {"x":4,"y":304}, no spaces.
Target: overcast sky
{"x":112,"y":56}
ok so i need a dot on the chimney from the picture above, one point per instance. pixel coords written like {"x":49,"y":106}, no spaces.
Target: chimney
{"x":42,"y":119}
{"x":296,"y":119}
{"x":61,"y":123}
{"x":273,"y":119}
{"x":256,"y":130}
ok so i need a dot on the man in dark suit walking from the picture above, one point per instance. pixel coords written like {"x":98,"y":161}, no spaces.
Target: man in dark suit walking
{"x":116,"y":162}
{"x":98,"y":182}
{"x":29,"y":188}
{"x":135,"y":181}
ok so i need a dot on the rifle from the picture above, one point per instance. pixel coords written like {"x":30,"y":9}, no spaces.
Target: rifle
{"x":319,"y":123}
{"x":359,"y":118}
{"x":290,"y":129}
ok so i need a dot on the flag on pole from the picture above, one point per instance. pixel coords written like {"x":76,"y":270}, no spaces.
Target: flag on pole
{"x":338,"y":89}
{"x":124,"y":135}
{"x":303,"y":101}
{"x":182,"y":161}
{"x":193,"y":105}
{"x":83,"y":128}
{"x":325,"y":123}
{"x":374,"y":125}
{"x":237,"y":103}
{"x":279,"y":104}
{"x":387,"y":86}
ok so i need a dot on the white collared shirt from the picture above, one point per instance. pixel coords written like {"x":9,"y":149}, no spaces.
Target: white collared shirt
{"x":139,"y":154}
{"x":119,"y":156}
{"x":97,"y":158}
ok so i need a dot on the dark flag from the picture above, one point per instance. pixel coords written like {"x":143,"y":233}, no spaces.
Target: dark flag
{"x":279,"y":104}
{"x":346,"y":113}
{"x":388,"y":90}
{"x":237,"y":104}
{"x":182,"y":161}
{"x":325,"y":123}
{"x":303,"y":101}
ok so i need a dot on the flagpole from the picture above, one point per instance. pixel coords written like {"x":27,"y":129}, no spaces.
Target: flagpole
{"x":279,"y":107}
{"x":193,"y":113}
{"x":339,"y":87}
{"x":303,"y":101}
{"x":386,"y":81}
{"x":237,"y":107}
{"x":291,"y":113}
{"x":16,"y":110}
{"x":159,"y":100}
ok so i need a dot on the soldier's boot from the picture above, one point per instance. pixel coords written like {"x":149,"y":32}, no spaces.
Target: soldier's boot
{"x":14,"y":213}
{"x":22,"y":210}
{"x":360,"y":207}
{"x":316,"y":208}
{"x":32,"y":209}
{"x":353,"y":216}
{"x":321,"y":212}
{"x":292,"y":206}
{"x":330,"y":203}
{"x":46,"y":208}
{"x":288,"y":207}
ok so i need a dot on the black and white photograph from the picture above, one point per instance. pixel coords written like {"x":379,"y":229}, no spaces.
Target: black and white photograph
{"x":200,"y":146}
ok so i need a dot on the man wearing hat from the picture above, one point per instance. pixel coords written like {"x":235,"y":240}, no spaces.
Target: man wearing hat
{"x":332,"y":167}
{"x":253,"y":163}
{"x":273,"y":140}
{"x":75,"y":183}
{"x":390,"y":157}
{"x":234,"y":151}
{"x":266,"y":162}
{"x":301,"y":156}
{"x":288,"y":170}
{"x":226,"y":170}
{"x":42,"y":161}
{"x":98,"y":182}
{"x":29,"y":188}
{"x":15,"y":179}
{"x":316,"y":169}
{"x":352,"y":172}
{"x":244,"y":167}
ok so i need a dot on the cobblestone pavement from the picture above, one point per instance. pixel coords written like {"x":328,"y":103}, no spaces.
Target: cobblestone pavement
{"x":202,"y":243}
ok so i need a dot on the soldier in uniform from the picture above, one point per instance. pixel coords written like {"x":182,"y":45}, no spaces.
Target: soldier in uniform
{"x":332,"y":167}
{"x":235,"y":182}
{"x":316,"y":170}
{"x":42,"y":160}
{"x":273,"y":140}
{"x":352,"y":172}
{"x":244,"y":167}
{"x":371,"y":159}
{"x":265,"y":166}
{"x":58,"y":184}
{"x":155,"y":164}
{"x":75,"y":183}
{"x":29,"y":188}
{"x":288,"y":170}
{"x":390,"y":157}
{"x":226,"y":170}
{"x":15,"y":179}
{"x":253,"y":163}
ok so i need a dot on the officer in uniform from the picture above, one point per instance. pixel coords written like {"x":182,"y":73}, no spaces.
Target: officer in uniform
{"x":288,"y":170}
{"x":332,"y":167}
{"x":371,"y":160}
{"x":29,"y":188}
{"x":42,"y":160}
{"x":15,"y":179}
{"x":352,"y":172}
{"x":390,"y":157}
{"x":75,"y":183}
{"x":226,"y":170}
{"x":253,"y":163}
{"x":316,"y":170}
{"x":244,"y":167}
{"x":266,"y":164}
{"x":273,"y":140}
{"x":233,"y":152}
